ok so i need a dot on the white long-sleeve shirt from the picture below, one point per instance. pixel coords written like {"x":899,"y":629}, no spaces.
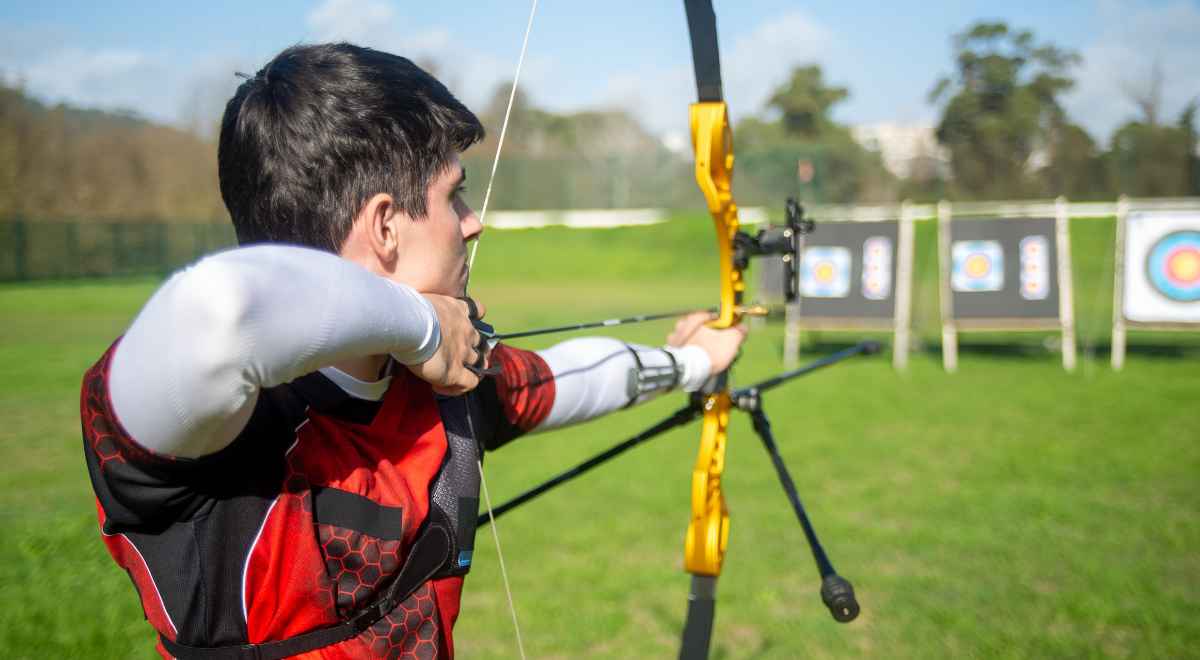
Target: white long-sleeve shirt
{"x":185,"y":377}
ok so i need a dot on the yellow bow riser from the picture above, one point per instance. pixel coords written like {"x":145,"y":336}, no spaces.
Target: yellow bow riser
{"x":708,"y":530}
{"x":713,"y":142}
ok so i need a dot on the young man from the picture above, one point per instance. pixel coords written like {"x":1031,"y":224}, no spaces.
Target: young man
{"x":283,"y":445}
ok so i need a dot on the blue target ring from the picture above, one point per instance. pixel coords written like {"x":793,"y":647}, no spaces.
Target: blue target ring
{"x":1173,"y":266}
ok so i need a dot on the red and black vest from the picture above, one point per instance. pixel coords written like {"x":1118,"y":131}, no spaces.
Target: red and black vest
{"x":307,"y":518}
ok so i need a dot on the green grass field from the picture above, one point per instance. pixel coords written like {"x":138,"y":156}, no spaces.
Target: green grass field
{"x":1009,"y":510}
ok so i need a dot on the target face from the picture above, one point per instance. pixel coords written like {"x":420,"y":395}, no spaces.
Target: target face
{"x":1162,"y":267}
{"x":1035,"y":268}
{"x":1173,"y":266}
{"x":877,"y":268}
{"x":977,"y":266}
{"x":825,"y":272}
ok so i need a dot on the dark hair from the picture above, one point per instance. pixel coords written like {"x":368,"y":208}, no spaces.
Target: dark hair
{"x":321,"y":129}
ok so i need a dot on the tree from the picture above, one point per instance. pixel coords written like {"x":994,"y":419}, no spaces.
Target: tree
{"x":1075,"y":165}
{"x":589,"y":159}
{"x":805,"y":150}
{"x":1147,"y":94}
{"x":1000,"y":106}
{"x":1187,"y":123}
{"x":805,"y":101}
{"x":1154,"y":160}
{"x":65,"y":163}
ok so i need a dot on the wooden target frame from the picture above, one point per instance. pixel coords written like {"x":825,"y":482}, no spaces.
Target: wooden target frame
{"x":1120,"y":323}
{"x":900,"y":321}
{"x":1065,"y":320}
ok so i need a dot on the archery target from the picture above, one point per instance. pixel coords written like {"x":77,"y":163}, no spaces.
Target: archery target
{"x":977,"y":266}
{"x":877,"y":268}
{"x":1035,"y":268}
{"x":846,"y":273}
{"x":825,"y":272}
{"x":1173,"y":266}
{"x":1162,"y":267}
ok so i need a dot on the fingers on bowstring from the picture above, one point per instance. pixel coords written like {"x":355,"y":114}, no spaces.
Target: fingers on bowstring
{"x":475,"y":309}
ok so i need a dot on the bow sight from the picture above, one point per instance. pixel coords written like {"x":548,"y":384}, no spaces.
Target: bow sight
{"x":782,"y":241}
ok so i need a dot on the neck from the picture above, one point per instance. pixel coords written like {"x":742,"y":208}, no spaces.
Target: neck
{"x":368,"y":368}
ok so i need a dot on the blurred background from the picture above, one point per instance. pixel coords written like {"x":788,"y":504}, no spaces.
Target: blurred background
{"x":1012,"y":509}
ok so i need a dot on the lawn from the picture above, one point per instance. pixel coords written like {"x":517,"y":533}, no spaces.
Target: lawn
{"x":1008,"y":510}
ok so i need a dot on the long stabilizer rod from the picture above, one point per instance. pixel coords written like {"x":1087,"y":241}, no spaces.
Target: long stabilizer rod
{"x":861,"y":348}
{"x":677,"y":418}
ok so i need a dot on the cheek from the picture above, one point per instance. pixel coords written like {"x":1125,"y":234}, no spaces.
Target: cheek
{"x":448,"y":223}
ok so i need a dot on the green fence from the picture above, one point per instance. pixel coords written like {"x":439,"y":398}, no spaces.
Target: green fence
{"x":62,"y":250}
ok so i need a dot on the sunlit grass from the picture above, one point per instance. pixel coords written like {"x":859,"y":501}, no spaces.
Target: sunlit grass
{"x":1010,"y":510}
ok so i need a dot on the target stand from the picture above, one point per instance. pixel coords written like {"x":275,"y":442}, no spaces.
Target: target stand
{"x":1156,"y":283}
{"x":1008,"y":274}
{"x":854,"y":272}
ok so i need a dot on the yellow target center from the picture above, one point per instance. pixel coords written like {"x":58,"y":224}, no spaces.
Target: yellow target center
{"x":824,"y":272}
{"x":1185,"y":266}
{"x":978,"y":265}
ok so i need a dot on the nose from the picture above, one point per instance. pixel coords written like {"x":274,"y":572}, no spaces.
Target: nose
{"x":468,"y":222}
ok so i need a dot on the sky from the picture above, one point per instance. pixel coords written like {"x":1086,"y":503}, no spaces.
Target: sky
{"x":174,"y":62}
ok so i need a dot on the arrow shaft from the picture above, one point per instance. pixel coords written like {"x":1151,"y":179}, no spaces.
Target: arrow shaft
{"x":750,"y":310}
{"x":606,"y":323}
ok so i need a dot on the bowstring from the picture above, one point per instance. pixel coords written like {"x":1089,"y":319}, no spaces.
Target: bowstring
{"x":512,"y":608}
{"x":487,"y":195}
{"x":512,"y":95}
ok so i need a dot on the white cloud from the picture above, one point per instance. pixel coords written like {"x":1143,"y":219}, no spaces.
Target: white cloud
{"x":657,"y":96}
{"x":75,"y":73}
{"x":160,"y":86}
{"x":192,"y":92}
{"x":752,"y":66}
{"x":472,"y":74}
{"x":49,"y":65}
{"x":349,"y":20}
{"x":1131,"y":38}
{"x":761,"y":60}
{"x":103,"y":78}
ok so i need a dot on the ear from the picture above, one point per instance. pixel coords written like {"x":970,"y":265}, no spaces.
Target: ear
{"x":374,"y":241}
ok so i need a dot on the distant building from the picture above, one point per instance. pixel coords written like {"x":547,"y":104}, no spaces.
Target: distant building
{"x":909,"y":151}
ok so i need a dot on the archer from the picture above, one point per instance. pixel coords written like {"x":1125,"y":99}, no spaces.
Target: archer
{"x":283,"y":445}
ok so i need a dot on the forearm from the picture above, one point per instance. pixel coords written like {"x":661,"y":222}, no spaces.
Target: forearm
{"x":187,"y":373}
{"x":594,"y":376}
